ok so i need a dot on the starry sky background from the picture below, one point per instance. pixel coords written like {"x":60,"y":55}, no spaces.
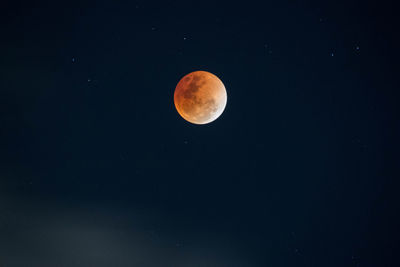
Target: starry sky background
{"x":98,"y":169}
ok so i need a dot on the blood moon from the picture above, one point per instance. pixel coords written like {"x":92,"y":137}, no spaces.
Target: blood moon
{"x":200,"y":97}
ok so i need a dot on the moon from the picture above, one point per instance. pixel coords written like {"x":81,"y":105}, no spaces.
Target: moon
{"x":200,"y":97}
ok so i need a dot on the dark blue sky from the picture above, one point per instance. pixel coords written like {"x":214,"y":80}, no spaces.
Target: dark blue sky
{"x":98,"y":169}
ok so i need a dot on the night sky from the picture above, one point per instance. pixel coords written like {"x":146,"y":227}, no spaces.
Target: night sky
{"x":98,"y":169}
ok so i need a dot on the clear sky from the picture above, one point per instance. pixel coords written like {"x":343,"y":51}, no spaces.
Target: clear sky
{"x":98,"y":169}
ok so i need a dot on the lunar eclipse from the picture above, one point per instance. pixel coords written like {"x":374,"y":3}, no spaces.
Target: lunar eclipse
{"x":200,"y":97}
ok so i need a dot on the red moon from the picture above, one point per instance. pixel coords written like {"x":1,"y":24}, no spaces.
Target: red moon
{"x":200,"y":97}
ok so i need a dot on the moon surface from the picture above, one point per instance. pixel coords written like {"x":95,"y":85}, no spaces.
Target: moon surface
{"x":200,"y":97}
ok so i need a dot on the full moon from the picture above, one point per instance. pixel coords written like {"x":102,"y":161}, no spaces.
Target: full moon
{"x":200,"y":97}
